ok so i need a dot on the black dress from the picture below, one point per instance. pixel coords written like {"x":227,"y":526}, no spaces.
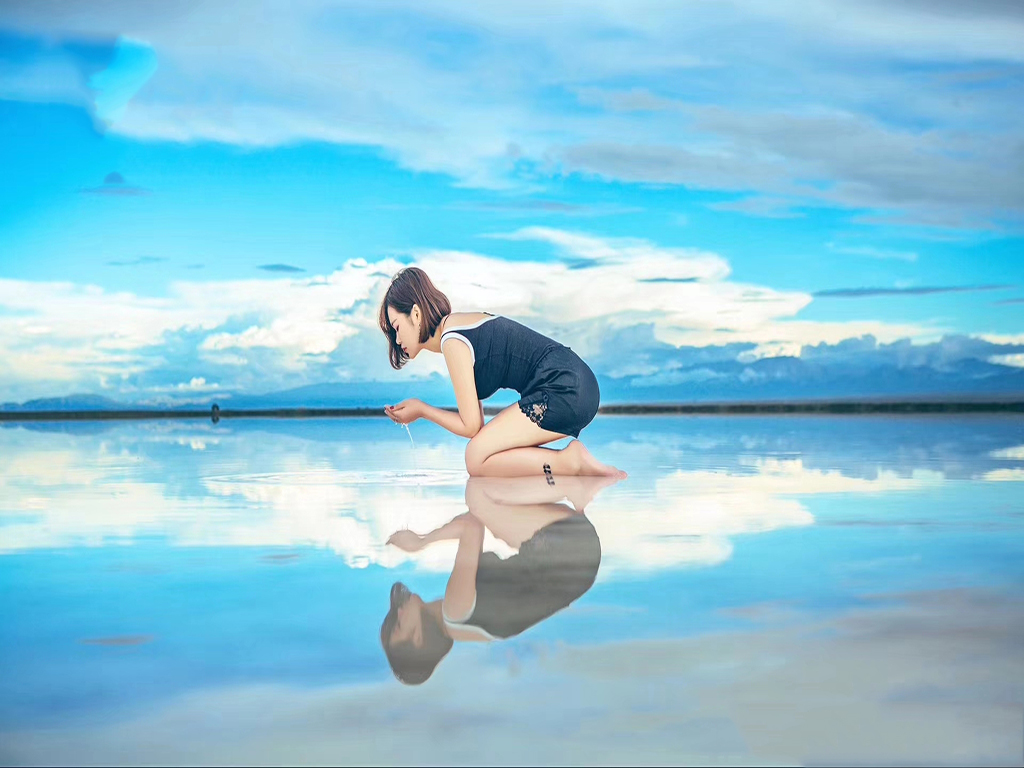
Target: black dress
{"x":551,"y":570}
{"x":558,"y":391}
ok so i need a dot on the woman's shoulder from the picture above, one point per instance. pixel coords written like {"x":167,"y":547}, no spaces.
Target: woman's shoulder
{"x":457,"y":320}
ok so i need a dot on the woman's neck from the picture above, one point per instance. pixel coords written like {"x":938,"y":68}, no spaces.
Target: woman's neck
{"x":434,"y":609}
{"x":434,"y":342}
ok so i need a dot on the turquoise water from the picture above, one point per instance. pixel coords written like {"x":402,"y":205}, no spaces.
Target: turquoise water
{"x":798,"y":589}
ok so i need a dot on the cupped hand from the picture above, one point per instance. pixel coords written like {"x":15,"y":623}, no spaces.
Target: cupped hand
{"x":407,"y":540}
{"x":406,"y":412}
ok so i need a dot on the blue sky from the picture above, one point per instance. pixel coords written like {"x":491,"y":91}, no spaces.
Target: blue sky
{"x":196,"y":201}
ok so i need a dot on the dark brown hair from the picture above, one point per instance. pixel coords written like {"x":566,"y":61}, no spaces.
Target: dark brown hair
{"x":412,"y":286}
{"x":410,"y":664}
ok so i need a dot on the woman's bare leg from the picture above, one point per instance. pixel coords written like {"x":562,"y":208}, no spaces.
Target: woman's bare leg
{"x":574,"y":459}
{"x":509,"y":445}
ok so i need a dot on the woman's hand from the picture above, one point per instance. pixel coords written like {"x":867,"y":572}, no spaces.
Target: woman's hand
{"x":407,"y":540}
{"x":406,"y":412}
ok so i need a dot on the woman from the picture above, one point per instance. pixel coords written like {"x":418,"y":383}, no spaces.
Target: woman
{"x":486,"y":352}
{"x":487,"y":598}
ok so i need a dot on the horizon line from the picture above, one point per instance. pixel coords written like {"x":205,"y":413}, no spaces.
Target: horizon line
{"x":832,"y":407}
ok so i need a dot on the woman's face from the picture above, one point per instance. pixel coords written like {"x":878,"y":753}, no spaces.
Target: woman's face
{"x":406,"y":334}
{"x":409,"y":623}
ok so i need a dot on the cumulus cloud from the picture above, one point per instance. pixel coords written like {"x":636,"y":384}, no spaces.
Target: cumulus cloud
{"x":670,"y":313}
{"x":60,"y":335}
{"x":890,"y":118}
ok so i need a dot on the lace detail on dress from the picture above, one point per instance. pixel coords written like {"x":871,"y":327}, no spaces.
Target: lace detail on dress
{"x":535,"y":411}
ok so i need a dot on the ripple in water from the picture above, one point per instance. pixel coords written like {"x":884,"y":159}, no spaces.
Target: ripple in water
{"x":342,"y":477}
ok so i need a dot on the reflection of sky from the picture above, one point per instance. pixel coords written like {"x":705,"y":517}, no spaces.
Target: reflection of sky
{"x":251,"y":553}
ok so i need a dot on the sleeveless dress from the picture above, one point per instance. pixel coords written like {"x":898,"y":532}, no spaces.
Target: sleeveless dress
{"x":552,"y":569}
{"x":558,"y":391}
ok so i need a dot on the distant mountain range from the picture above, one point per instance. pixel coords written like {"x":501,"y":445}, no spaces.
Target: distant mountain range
{"x":767,"y":380}
{"x":69,"y":403}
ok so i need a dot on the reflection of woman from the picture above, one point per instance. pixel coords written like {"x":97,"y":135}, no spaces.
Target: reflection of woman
{"x":488,"y":598}
{"x":559,"y":392}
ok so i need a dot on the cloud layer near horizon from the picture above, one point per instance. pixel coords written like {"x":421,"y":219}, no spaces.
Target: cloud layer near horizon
{"x":661,"y":314}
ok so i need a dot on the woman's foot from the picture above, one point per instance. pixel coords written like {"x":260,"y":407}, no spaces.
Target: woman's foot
{"x":588,"y":465}
{"x":582,"y":489}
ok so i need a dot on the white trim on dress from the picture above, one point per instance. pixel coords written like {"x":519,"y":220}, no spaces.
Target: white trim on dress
{"x":445,"y":336}
{"x":480,"y":631}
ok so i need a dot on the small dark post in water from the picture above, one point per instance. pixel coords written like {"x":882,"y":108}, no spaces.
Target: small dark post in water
{"x":215,"y":413}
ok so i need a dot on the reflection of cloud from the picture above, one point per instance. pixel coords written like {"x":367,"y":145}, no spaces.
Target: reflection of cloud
{"x":351,"y":513}
{"x":206,"y":486}
{"x":691,"y":515}
{"x":65,"y":486}
{"x":58,"y":493}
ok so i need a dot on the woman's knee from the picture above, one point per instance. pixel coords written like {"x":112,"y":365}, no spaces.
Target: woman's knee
{"x":475,"y":456}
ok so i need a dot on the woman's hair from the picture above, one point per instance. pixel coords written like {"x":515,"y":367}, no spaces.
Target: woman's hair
{"x":410,"y":664}
{"x":412,"y":286}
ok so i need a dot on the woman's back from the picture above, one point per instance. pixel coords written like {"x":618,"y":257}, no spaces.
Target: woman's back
{"x":506,"y":353}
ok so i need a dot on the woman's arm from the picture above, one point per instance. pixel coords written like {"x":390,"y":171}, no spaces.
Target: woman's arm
{"x":460,"y":594}
{"x":450,"y":530}
{"x":451,"y":421}
{"x":413,"y":542}
{"x":470,"y":418}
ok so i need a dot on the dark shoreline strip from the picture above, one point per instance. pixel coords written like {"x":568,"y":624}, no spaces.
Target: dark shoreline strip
{"x":853,"y":408}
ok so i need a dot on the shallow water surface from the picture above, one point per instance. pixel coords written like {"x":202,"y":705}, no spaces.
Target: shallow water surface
{"x":798,"y":589}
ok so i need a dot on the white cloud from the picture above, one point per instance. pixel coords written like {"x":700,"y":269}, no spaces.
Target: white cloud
{"x":84,"y":332}
{"x":1016,"y":360}
{"x":323,"y":323}
{"x":1016,"y":453}
{"x":630,"y":280}
{"x":1005,"y":475}
{"x":527,"y":90}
